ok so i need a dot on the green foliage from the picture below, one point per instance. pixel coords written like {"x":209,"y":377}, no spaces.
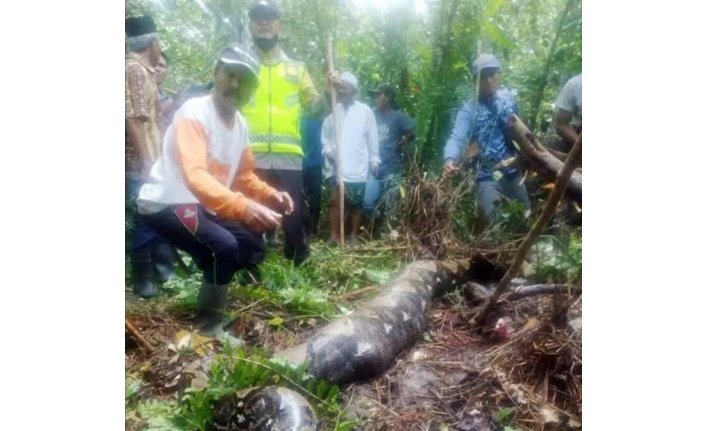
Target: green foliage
{"x":511,"y":218}
{"x":132,"y":387}
{"x":238,"y":369}
{"x":559,"y":261}
{"x":308,"y":289}
{"x":184,"y":290}
{"x":504,"y":415}
{"x":158,"y":415}
{"x":424,"y":55}
{"x":510,"y":221}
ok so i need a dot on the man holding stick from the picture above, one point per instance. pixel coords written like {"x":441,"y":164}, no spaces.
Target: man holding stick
{"x":359,"y":154}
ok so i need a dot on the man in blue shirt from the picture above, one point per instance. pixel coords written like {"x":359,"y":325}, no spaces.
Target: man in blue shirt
{"x":313,"y":166}
{"x":484,"y":121}
{"x":395,"y":129}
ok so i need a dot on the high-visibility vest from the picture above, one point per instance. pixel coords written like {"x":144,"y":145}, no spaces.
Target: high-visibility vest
{"x":273,"y":113}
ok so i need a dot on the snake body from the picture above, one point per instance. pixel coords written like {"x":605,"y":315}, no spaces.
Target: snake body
{"x":364,"y":344}
{"x":270,"y":408}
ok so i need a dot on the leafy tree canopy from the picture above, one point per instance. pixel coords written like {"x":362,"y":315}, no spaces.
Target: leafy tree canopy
{"x":422,"y":47}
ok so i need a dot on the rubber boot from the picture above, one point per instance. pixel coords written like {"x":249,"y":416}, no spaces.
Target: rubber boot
{"x":211,"y":313}
{"x":141,"y":264}
{"x":163,"y":259}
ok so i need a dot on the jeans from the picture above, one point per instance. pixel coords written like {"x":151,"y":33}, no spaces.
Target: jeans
{"x":374,"y":189}
{"x":143,"y":236}
{"x":218,"y":247}
{"x":491,"y":193}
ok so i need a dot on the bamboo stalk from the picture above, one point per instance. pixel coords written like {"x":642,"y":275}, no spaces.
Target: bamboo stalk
{"x":337,"y":137}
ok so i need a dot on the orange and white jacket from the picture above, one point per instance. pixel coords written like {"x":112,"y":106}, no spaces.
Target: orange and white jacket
{"x":204,"y":162}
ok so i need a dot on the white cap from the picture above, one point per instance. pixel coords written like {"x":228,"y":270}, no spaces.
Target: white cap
{"x":349,"y":78}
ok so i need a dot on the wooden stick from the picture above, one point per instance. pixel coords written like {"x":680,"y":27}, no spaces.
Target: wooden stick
{"x":137,"y":336}
{"x":337,"y":137}
{"x":562,"y":182}
{"x":542,"y":289}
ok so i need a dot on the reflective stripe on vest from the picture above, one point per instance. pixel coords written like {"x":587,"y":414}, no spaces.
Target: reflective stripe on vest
{"x":273,"y":112}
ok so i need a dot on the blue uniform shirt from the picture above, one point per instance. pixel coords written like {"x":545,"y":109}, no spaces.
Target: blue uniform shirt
{"x":311,"y":142}
{"x":484,"y":122}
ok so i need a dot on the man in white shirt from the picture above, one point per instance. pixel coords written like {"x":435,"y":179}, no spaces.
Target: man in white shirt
{"x":567,"y":115}
{"x":359,"y":155}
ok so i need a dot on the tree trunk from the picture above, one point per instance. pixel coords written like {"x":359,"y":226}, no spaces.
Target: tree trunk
{"x":534,"y":113}
{"x":541,"y":159}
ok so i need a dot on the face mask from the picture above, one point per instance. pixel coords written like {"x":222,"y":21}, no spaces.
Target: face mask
{"x":265,"y":44}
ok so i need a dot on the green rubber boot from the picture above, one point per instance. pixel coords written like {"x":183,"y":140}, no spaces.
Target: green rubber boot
{"x":141,"y":266}
{"x":211,"y":317}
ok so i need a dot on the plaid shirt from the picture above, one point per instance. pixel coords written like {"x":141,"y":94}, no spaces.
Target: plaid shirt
{"x":484,"y":122}
{"x":142,"y":102}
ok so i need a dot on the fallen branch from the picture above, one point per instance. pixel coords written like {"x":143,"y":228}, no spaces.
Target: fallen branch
{"x":476,"y":292}
{"x":541,"y":289}
{"x":137,"y":336}
{"x":540,"y":158}
{"x":558,"y":154}
{"x":562,"y":182}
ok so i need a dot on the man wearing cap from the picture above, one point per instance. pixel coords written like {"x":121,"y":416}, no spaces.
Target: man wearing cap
{"x":484,"y":121}
{"x":567,"y":114}
{"x":273,"y":116}
{"x":395,"y":128}
{"x":359,"y":155}
{"x":202,"y":193}
{"x":148,"y":252}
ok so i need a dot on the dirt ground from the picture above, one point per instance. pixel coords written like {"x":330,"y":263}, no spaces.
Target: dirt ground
{"x":453,"y":378}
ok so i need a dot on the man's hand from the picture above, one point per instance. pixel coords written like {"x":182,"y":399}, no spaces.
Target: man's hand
{"x":260,"y":218}
{"x":450,"y":170}
{"x":374,"y":169}
{"x":404,"y":140}
{"x":332,"y":79}
{"x":284,"y":202}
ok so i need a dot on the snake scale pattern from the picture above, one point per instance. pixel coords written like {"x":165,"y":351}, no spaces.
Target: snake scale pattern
{"x":359,"y":346}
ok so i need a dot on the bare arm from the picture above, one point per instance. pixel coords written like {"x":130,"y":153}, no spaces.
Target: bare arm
{"x":563,"y":126}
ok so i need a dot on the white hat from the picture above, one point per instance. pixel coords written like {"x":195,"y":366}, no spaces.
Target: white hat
{"x":349,"y":78}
